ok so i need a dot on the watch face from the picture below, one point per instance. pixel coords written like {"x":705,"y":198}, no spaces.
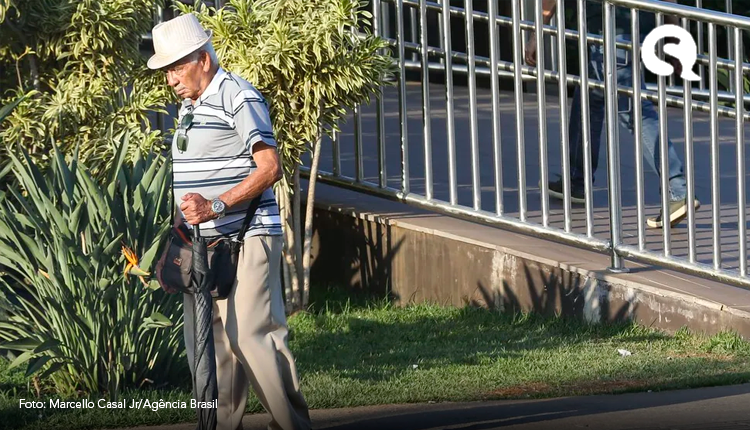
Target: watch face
{"x":218,"y":206}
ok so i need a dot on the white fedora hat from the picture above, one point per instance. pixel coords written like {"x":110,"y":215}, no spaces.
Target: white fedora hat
{"x":175,"y":39}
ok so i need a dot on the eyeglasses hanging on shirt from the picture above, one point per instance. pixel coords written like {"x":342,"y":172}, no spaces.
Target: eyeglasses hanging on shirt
{"x":180,"y":136}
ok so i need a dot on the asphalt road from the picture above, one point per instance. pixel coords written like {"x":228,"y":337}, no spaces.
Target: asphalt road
{"x":715,"y":408}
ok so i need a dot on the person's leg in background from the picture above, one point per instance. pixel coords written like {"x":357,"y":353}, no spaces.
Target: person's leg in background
{"x":651,"y":144}
{"x":575,"y":134}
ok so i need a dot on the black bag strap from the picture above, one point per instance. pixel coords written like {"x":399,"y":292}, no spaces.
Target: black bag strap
{"x":248,"y":217}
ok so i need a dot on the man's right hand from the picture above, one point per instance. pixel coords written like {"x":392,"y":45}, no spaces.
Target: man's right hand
{"x":530,"y":54}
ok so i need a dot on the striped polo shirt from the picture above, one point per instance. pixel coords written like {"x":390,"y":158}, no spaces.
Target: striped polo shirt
{"x":228,"y":119}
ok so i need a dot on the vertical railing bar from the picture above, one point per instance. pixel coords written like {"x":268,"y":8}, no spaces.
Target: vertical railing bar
{"x":553,"y":39}
{"x":689,"y":161}
{"x":413,"y":30}
{"x":699,"y":26}
{"x":730,"y":46}
{"x":542,"y":112}
{"x":402,"y":98}
{"x":663,"y":151}
{"x":585,"y":120}
{"x":380,"y":104}
{"x":449,"y":123}
{"x":739,"y":86}
{"x":638,"y":128}
{"x":359,"y":166}
{"x":426,"y":114}
{"x":336,"y":142}
{"x":713,"y":105}
{"x":563,"y":95}
{"x":359,"y":170}
{"x":476,"y":185}
{"x":613,"y":146}
{"x":496,"y":137}
{"x":441,"y":31}
{"x":524,"y":17}
{"x":518,"y":101}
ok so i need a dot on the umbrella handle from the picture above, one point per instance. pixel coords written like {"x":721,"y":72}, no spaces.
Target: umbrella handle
{"x":196,"y":232}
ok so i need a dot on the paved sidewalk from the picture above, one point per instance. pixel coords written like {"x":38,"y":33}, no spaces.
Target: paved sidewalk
{"x":726,"y":408}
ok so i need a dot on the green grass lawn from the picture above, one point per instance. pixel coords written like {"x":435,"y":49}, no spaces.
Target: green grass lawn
{"x":372,"y":353}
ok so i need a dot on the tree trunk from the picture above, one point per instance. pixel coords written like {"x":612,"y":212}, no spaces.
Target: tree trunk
{"x":284,"y":214}
{"x":291,"y":280}
{"x":297,"y":231}
{"x":309,"y":219}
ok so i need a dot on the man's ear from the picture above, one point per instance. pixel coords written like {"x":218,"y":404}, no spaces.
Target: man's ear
{"x":206,"y":61}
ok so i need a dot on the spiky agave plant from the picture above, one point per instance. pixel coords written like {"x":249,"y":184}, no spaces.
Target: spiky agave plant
{"x":76,"y":306}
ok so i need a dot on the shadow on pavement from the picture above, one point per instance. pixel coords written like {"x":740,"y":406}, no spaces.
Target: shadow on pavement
{"x":490,"y":415}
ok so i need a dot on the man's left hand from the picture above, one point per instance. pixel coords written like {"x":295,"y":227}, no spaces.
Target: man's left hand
{"x":196,"y":209}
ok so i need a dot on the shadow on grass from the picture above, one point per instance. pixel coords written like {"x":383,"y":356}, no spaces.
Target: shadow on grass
{"x":384,"y":345}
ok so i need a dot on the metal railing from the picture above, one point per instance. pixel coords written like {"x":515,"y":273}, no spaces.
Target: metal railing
{"x":442,"y":60}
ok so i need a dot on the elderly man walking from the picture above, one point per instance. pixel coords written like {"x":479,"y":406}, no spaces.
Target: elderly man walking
{"x":650,"y":131}
{"x":225,"y":157}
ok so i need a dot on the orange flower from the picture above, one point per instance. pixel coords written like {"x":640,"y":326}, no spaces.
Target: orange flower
{"x":132,"y":266}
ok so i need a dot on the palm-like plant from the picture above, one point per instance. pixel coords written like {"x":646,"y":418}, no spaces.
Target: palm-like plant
{"x":82,"y":58}
{"x":313,"y":66}
{"x":75,"y":309}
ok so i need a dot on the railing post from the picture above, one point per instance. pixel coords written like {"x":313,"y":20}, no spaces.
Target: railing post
{"x":517,"y":12}
{"x":496,"y":138}
{"x":402,"y":99}
{"x":542,"y":112}
{"x":739,"y":86}
{"x":613,"y":145}
{"x":426,"y":114}
{"x":380,"y":108}
{"x":449,"y":121}
{"x":585,"y":120}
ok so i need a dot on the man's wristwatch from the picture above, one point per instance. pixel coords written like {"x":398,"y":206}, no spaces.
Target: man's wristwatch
{"x":218,"y":207}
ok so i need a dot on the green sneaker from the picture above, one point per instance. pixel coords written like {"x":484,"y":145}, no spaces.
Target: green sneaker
{"x":677,"y":213}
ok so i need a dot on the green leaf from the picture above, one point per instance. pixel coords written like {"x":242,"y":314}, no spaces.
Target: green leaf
{"x":47,"y":345}
{"x":21,"y":359}
{"x":157,"y":320}
{"x":54,"y":367}
{"x":24,"y":344}
{"x":36,"y":364}
{"x":7,"y":109}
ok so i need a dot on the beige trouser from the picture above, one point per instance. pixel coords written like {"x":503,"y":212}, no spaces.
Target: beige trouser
{"x":250,"y":334}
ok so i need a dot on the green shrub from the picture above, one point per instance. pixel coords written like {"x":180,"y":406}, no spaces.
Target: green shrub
{"x":72,"y":312}
{"x":82,"y":59}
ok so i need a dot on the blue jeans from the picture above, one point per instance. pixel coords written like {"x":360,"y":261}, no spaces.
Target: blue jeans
{"x":650,"y":123}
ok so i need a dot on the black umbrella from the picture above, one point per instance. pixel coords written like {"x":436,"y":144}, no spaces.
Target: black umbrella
{"x":204,"y":372}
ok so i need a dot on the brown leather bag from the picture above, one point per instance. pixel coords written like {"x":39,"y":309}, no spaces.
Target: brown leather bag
{"x":223,"y":257}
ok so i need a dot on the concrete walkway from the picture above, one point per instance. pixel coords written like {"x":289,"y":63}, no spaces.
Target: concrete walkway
{"x":715,"y":408}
